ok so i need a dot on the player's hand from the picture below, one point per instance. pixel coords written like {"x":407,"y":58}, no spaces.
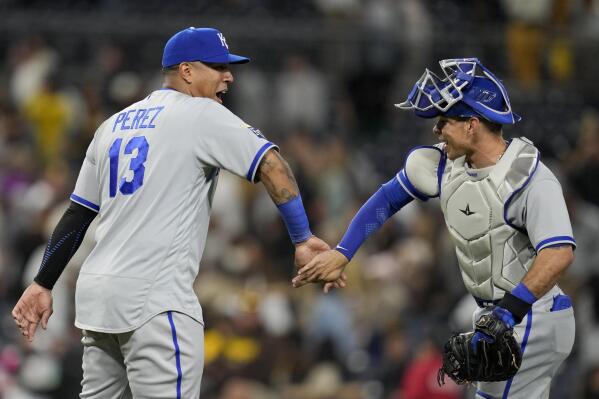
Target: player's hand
{"x":34,"y":307}
{"x":341,"y":282}
{"x":307,"y":250}
{"x":490,"y":327}
{"x":326,"y":267}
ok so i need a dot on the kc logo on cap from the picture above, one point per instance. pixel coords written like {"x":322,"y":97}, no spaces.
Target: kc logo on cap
{"x":199,"y":44}
{"x":223,"y":40}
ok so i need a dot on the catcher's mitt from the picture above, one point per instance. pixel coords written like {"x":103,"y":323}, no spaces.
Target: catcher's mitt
{"x":492,"y":361}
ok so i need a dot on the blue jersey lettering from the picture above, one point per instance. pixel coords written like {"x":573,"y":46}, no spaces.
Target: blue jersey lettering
{"x":142,"y":124}
{"x":137,"y":118}
{"x":139,"y":121}
{"x":119,"y":119}
{"x":127,"y":117}
{"x":158,"y":109}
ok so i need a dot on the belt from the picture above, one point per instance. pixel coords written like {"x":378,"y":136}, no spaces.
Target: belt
{"x":483,"y":303}
{"x":560,"y":302}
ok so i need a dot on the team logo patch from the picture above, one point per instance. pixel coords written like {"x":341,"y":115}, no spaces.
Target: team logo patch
{"x":223,"y":41}
{"x":467,"y":211}
{"x":256,"y":131}
{"x":485,"y":96}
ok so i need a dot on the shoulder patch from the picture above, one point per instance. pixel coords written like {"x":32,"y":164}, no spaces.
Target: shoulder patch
{"x":255,"y":130}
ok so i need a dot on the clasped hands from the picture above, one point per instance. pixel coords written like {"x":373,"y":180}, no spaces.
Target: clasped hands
{"x":316,"y":262}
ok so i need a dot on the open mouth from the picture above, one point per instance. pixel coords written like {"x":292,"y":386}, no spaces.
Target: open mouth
{"x":221,"y":94}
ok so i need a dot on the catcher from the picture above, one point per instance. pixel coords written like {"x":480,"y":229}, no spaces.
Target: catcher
{"x":507,"y":217}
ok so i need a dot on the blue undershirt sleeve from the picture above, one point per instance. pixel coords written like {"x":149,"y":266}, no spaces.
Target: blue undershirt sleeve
{"x":383,"y":204}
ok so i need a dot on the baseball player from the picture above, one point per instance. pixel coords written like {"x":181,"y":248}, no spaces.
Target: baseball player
{"x":505,"y":213}
{"x":150,"y":173}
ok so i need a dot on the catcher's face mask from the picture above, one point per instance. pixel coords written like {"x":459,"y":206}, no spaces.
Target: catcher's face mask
{"x":466,"y":89}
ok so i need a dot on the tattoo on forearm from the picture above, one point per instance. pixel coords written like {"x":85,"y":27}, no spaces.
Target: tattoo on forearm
{"x":266,"y":166}
{"x":285,"y":195}
{"x":278,"y":179}
{"x":290,"y":174}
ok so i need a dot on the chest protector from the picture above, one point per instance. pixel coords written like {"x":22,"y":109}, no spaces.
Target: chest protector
{"x":493,"y":256}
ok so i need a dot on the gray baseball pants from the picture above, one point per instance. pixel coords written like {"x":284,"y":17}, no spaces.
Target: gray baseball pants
{"x":162,"y":359}
{"x":546,"y":337}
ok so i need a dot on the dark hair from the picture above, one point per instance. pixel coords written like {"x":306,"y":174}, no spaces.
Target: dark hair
{"x":491,"y":126}
{"x":170,"y":69}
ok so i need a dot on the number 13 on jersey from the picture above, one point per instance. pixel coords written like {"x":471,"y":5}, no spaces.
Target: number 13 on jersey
{"x":136,"y":165}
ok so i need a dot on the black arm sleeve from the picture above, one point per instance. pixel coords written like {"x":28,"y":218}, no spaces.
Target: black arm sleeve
{"x":63,"y":243}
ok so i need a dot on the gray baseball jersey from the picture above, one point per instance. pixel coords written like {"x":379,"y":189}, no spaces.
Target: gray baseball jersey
{"x":150,"y":172}
{"x":499,"y":218}
{"x":539,"y":208}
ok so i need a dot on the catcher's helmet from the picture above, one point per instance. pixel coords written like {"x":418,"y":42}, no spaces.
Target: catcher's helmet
{"x":468,"y":89}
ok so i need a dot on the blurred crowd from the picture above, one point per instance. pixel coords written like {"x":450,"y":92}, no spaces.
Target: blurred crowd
{"x":329,"y":105}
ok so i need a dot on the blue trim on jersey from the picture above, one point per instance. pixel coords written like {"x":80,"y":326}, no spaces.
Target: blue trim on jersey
{"x":484,"y":395}
{"x":167,"y":88}
{"x":250,"y":175}
{"x":441,"y":170}
{"x":85,"y":203}
{"x":553,"y":241}
{"x":508,"y":385}
{"x":511,"y":197}
{"x":407,"y":185}
{"x":440,"y":166}
{"x":177,"y":353}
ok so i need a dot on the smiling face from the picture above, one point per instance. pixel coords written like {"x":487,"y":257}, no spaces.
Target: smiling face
{"x":455,"y":133}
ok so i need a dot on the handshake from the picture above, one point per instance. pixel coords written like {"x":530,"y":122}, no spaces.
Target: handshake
{"x":316,"y":262}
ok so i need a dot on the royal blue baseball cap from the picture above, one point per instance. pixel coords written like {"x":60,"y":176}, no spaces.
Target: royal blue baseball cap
{"x":199,"y":44}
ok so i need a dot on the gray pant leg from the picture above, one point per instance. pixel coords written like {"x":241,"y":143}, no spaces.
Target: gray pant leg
{"x":549,"y":342}
{"x":165,"y":357}
{"x":104,"y":375}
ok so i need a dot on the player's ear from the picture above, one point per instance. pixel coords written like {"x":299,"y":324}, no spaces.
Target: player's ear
{"x":185,"y":71}
{"x":473,"y":125}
